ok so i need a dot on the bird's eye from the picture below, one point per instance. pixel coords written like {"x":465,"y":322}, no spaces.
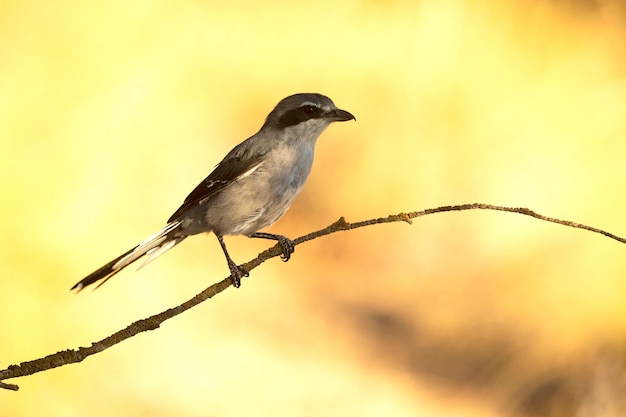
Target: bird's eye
{"x":309,"y":109}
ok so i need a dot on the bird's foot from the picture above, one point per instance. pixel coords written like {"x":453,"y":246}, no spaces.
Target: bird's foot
{"x":236,"y":273}
{"x":287,"y":246}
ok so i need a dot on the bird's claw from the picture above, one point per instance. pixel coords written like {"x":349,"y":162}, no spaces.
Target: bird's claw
{"x":236,"y":273}
{"x":287,"y":247}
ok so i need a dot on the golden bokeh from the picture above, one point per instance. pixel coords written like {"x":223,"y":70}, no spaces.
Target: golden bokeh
{"x":112,"y":112}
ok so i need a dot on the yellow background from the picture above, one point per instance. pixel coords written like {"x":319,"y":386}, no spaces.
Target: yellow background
{"x":111,"y":112}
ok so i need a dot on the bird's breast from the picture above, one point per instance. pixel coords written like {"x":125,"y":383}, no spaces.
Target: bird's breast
{"x":291,"y":167}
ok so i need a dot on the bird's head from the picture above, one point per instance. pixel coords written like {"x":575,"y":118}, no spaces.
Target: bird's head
{"x":305,"y":115}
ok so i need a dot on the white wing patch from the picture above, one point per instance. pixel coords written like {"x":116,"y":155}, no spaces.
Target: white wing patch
{"x":251,"y":170}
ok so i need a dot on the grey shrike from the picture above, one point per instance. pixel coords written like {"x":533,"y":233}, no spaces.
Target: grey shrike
{"x":249,"y":190}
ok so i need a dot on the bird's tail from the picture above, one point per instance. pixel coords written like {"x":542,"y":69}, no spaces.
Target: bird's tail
{"x":153,"y":247}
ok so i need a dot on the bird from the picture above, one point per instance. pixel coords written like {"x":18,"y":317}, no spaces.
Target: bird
{"x":249,"y":190}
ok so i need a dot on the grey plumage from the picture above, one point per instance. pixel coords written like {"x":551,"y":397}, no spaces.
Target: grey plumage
{"x":250,"y":189}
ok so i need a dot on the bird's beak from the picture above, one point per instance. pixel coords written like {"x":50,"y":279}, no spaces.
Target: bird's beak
{"x":338,"y":115}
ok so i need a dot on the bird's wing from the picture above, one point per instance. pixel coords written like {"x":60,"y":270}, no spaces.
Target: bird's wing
{"x":237,"y":164}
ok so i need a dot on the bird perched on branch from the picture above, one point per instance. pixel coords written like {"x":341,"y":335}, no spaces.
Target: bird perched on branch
{"x":249,"y":190}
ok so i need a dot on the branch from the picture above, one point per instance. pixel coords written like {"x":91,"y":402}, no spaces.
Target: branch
{"x":66,"y":357}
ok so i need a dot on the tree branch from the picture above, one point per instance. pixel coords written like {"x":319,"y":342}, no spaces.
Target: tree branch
{"x":66,"y":357}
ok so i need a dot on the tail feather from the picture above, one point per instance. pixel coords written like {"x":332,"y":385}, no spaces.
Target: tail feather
{"x":160,"y":250}
{"x":154,"y":246}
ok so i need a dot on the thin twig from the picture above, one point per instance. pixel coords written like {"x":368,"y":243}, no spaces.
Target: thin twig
{"x":66,"y":357}
{"x":10,"y":387}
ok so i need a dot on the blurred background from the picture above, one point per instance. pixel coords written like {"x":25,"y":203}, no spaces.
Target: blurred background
{"x":113,"y":111}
